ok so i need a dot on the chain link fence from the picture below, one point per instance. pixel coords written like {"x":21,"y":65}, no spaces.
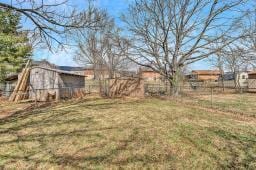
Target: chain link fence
{"x":210,"y":96}
{"x":229,"y":99}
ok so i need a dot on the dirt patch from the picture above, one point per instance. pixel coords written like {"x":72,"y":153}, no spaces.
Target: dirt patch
{"x":8,"y":109}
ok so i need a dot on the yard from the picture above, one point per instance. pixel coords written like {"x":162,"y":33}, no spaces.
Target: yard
{"x":244,"y":104}
{"x":7,"y":108}
{"x":152,"y":133}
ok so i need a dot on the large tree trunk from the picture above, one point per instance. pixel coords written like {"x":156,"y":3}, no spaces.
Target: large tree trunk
{"x":174,"y":82}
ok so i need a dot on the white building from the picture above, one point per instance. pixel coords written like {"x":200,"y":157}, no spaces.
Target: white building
{"x":229,"y":80}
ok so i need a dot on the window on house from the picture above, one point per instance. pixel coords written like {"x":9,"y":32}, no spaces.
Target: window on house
{"x":243,"y":76}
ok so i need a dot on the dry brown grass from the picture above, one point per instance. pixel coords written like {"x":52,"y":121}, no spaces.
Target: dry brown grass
{"x":241,"y":103}
{"x":8,"y":108}
{"x":132,"y":134}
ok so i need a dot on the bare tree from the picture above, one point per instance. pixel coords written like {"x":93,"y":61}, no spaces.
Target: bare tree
{"x":217,"y":61}
{"x":234,"y":60}
{"x":248,"y":42}
{"x":170,"y":34}
{"x":241,"y":54}
{"x":104,"y":49}
{"x":50,"y":20}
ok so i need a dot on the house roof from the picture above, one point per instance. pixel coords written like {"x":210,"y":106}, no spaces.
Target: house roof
{"x":228,"y":76}
{"x":91,"y":68}
{"x":146,"y":69}
{"x":206,"y":72}
{"x":70,"y":68}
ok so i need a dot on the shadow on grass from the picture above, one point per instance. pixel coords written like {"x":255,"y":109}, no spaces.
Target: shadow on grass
{"x":230,"y":151}
{"x":86,"y":127}
{"x":238,"y":145}
{"x":78,"y":159}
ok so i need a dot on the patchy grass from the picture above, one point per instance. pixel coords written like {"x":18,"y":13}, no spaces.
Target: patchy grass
{"x":242,"y":103}
{"x":150,"y":133}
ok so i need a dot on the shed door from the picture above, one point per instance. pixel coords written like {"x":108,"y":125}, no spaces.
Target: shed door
{"x":38,"y":80}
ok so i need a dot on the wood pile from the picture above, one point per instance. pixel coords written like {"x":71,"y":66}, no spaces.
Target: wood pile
{"x":130,"y":87}
{"x":21,"y":89}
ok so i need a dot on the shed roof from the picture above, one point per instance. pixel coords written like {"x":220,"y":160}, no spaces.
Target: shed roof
{"x":43,"y":63}
{"x":59,"y":71}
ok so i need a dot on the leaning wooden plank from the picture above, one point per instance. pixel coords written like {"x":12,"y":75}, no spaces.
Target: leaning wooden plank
{"x":20,"y":84}
{"x":23,"y":86}
{"x":25,"y":80}
{"x":16,"y":89}
{"x":24,"y":94}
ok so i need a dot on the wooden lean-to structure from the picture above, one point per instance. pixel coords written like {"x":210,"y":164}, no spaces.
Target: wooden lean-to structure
{"x":21,"y":89}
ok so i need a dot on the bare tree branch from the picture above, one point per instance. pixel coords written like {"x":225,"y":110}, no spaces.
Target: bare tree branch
{"x":104,"y":49}
{"x":51,"y":20}
{"x":168,"y":35}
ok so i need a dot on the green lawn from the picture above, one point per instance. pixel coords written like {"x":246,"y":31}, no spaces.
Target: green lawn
{"x":150,"y":133}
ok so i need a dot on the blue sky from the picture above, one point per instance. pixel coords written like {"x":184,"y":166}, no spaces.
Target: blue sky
{"x":115,"y":8}
{"x":65,"y":57}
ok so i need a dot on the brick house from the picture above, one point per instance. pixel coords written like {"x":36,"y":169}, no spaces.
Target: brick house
{"x":149,"y":75}
{"x":90,"y":73}
{"x":205,"y":75}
